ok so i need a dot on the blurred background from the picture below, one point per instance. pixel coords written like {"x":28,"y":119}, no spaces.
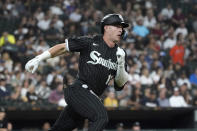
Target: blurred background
{"x":162,"y":62}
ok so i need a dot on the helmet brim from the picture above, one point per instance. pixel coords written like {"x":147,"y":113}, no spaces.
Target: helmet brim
{"x":124,"y":25}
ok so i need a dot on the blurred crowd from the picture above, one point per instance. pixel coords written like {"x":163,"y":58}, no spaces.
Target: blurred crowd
{"x":161,"y":50}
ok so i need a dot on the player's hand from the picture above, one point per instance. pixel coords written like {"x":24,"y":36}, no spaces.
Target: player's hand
{"x":32,"y":65}
{"x":120,"y":56}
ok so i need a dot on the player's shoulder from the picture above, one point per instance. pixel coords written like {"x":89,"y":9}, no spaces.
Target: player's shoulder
{"x":97,"y":37}
{"x":89,"y":38}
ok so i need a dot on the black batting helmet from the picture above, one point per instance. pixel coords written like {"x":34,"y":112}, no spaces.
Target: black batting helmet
{"x":113,"y":19}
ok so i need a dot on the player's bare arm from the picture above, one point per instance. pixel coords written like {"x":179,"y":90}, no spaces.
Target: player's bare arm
{"x":57,"y":50}
{"x":54,"y":51}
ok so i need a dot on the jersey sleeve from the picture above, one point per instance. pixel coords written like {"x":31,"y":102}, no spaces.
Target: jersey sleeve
{"x":77,"y":44}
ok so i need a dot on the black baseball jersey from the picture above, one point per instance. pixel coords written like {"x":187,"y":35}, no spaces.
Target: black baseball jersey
{"x":97,"y":62}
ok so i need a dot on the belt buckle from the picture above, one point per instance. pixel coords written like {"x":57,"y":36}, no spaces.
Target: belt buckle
{"x":85,"y":86}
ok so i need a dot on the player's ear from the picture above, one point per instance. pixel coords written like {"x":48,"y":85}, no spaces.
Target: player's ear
{"x":106,"y":27}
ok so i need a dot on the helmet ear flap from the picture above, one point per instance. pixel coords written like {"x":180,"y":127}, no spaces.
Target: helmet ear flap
{"x":124,"y":34}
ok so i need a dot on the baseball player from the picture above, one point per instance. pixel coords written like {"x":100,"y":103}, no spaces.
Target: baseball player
{"x":100,"y":61}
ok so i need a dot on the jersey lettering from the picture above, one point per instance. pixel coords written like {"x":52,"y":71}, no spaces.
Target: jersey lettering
{"x":96,"y":59}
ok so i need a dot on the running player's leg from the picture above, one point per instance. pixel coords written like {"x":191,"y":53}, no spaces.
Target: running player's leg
{"x":67,"y":121}
{"x":89,"y":106}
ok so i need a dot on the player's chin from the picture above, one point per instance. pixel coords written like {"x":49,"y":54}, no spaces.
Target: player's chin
{"x":118,"y":38}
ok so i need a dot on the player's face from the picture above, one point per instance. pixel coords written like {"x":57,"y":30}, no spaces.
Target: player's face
{"x":115,"y":32}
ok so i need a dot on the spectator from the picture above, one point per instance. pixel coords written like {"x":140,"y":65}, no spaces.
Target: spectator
{"x":140,"y":30}
{"x":157,"y":31}
{"x":31,"y":95}
{"x":183,"y":79}
{"x":170,"y":41}
{"x":150,"y":20}
{"x":39,"y":14}
{"x":15,"y":95}
{"x":8,"y":62}
{"x":7,"y":38}
{"x":20,"y":33}
{"x":42,"y":90}
{"x":194,"y":102}
{"x":163,"y":83}
{"x":56,"y":9}
{"x":46,"y":126}
{"x":150,"y":100}
{"x":58,"y":23}
{"x":120,"y":127}
{"x":17,"y":77}
{"x":44,"y":24}
{"x":181,"y":29}
{"x":184,"y":91}
{"x":24,"y":89}
{"x":110,"y":100}
{"x":4,"y":91}
{"x":124,"y":95}
{"x":136,"y":126}
{"x":134,"y":77}
{"x":41,"y":45}
{"x":145,"y":78}
{"x":162,"y":99}
{"x":178,"y":17}
{"x":75,"y":16}
{"x":10,"y":126}
{"x":156,"y":75}
{"x":135,"y":98}
{"x":178,"y":69}
{"x":169,"y":71}
{"x":56,"y":94}
{"x":56,"y":80}
{"x":140,"y":60}
{"x":154,"y":61}
{"x":149,"y":4}
{"x":177,"y":52}
{"x":193,"y":78}
{"x":152,"y":46}
{"x":177,"y":100}
{"x":73,"y":71}
{"x":52,"y":34}
{"x":167,"y":12}
{"x":194,"y":25}
{"x":3,"y":120}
